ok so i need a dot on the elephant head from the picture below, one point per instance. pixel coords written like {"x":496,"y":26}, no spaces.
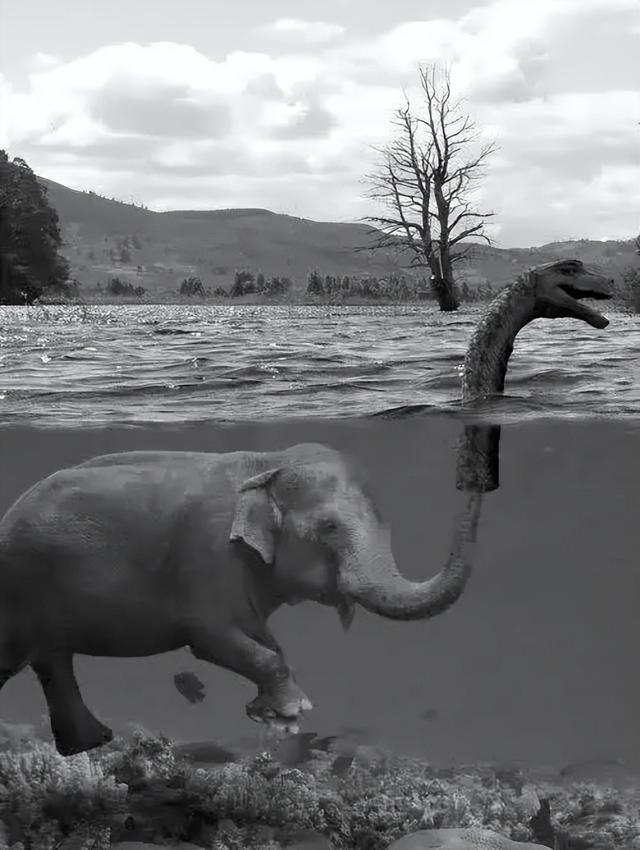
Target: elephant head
{"x":312,"y":519}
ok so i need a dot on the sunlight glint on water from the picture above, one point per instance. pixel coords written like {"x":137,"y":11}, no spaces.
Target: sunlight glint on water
{"x":165,"y":363}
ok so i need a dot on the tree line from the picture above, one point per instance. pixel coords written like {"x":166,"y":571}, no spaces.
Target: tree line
{"x":395,"y":286}
{"x":30,"y":241}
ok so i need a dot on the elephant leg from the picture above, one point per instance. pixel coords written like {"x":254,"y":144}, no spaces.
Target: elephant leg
{"x":14,"y":657}
{"x":280,"y":702}
{"x":74,"y":727}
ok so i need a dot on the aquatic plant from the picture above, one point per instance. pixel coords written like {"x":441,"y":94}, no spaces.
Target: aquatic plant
{"x":141,"y":790}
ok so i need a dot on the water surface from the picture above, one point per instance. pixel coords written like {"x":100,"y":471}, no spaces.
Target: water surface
{"x":99,"y":365}
{"x":538,"y":661}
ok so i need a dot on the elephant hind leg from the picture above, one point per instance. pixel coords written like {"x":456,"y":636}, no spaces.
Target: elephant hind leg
{"x":13,"y":659}
{"x":74,"y":727}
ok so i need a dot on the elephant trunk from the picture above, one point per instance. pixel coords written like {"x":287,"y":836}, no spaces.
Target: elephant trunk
{"x":381,"y":589}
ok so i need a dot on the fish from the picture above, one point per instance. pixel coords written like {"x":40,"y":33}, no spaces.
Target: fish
{"x":295,"y":749}
{"x":309,"y":839}
{"x":341,"y":765}
{"x":325,"y":743}
{"x":430,"y":714}
{"x":190,"y":686}
{"x":590,"y":766}
{"x":204,"y":752}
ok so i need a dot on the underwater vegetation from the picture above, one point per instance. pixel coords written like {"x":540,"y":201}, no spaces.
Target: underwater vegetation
{"x":141,"y":790}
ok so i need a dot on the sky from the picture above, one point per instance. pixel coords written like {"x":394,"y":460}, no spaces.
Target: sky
{"x":209,"y":104}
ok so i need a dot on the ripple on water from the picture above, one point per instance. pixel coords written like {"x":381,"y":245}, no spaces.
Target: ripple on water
{"x":165,"y":363}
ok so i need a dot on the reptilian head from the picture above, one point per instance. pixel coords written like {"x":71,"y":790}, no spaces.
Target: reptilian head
{"x":560,"y":285}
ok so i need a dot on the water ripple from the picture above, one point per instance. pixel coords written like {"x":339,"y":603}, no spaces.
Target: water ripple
{"x":165,"y":363}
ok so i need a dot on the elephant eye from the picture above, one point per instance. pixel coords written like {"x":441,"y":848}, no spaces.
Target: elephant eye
{"x":327,"y":526}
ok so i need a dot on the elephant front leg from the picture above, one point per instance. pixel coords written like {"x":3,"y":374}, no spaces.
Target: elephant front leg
{"x":280,"y":702}
{"x":74,"y":727}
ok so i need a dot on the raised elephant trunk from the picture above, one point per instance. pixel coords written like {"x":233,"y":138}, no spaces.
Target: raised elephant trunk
{"x":549,"y":291}
{"x":383,"y":590}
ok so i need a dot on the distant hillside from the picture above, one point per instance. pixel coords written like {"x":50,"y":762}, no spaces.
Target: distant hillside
{"x":105,"y":238}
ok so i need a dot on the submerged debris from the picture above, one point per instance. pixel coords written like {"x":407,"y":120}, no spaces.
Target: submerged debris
{"x":190,"y":686}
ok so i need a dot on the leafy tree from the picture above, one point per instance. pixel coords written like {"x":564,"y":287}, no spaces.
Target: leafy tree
{"x":117,"y":286}
{"x":277,"y":286}
{"x":29,"y":237}
{"x":192,"y":286}
{"x":426,"y":180}
{"x":314,"y":283}
{"x":243,"y":283}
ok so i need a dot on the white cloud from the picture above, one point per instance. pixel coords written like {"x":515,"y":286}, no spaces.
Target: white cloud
{"x":313,"y":32}
{"x":294,"y":130}
{"x":45,"y":60}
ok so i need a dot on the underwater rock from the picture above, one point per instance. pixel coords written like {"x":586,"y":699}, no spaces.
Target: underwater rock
{"x":614,"y":773}
{"x":145,"y":845}
{"x":309,"y":839}
{"x":459,"y":839}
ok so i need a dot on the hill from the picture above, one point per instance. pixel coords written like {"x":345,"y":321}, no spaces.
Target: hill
{"x":105,"y":238}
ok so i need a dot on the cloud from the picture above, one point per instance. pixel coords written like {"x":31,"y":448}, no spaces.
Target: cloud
{"x":311,"y":120}
{"x":160,"y":110}
{"x":44,"y":60}
{"x":312,"y":32}
{"x":295,"y":130}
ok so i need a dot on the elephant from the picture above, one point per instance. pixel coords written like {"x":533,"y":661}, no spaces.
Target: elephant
{"x":139,"y":553}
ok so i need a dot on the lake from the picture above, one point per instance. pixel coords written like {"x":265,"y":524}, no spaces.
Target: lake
{"x":106,"y":365}
{"x":536,"y":662}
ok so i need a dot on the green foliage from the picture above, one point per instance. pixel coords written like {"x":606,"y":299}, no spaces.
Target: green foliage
{"x":117,"y":286}
{"x":629,"y":291}
{"x":394,"y":287}
{"x":29,"y":237}
{"x":277,"y":286}
{"x":243,"y":283}
{"x":192,"y":286}
{"x":314,"y":283}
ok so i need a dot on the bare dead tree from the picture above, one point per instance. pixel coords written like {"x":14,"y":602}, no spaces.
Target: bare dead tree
{"x":426,"y":180}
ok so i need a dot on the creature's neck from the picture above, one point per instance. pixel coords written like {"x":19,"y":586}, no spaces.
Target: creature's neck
{"x":485,"y":364}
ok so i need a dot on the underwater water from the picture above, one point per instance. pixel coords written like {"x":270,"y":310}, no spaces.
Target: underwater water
{"x":538,"y":659}
{"x":536,"y":664}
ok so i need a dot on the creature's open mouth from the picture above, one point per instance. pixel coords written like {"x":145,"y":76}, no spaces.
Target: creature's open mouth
{"x":582,"y":311}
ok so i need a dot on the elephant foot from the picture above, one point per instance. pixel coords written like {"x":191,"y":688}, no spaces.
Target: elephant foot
{"x":73,"y":738}
{"x":280,"y":710}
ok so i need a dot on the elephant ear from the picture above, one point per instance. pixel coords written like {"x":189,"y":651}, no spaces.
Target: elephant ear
{"x":257,"y":517}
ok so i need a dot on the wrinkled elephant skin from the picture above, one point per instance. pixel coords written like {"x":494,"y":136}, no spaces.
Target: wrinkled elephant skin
{"x":139,"y":553}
